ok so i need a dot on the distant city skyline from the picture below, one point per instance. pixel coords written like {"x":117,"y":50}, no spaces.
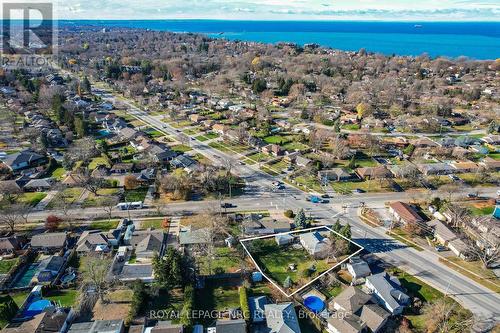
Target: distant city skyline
{"x":385,"y":10}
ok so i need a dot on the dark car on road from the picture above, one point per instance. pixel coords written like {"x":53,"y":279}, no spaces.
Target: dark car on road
{"x":227,"y":205}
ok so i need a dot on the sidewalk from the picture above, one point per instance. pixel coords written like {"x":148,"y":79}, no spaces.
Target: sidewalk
{"x":45,"y":201}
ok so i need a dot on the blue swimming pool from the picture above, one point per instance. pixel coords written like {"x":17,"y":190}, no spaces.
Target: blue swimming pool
{"x":25,"y":279}
{"x":314,"y":303}
{"x":36,"y":307}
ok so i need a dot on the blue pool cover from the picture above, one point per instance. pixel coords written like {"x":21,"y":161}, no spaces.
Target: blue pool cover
{"x":314,"y":303}
{"x":37,"y":307}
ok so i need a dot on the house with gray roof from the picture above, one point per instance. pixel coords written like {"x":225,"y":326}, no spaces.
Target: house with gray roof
{"x":38,"y":185}
{"x":281,"y":318}
{"x":91,"y":241}
{"x":315,"y":244}
{"x":362,"y":309}
{"x":98,"y":326}
{"x":436,"y":169}
{"x":358,"y":268}
{"x":49,"y":242}
{"x":147,"y":242}
{"x":23,"y":160}
{"x":387,"y":291}
{"x":230,"y":326}
{"x":336,"y":175}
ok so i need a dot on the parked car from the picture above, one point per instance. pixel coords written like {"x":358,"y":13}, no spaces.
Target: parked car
{"x":227,"y":205}
{"x":472,"y":195}
{"x":440,"y":248}
{"x":454,"y":177}
{"x":358,"y":190}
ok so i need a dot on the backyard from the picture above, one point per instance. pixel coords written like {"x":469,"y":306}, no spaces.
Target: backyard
{"x":218,"y":295}
{"x":225,"y":260}
{"x":275,"y":261}
{"x":7,"y":264}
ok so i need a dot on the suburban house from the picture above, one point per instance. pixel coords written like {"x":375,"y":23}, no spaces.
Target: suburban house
{"x":387,"y":290}
{"x":374,"y":173}
{"x":38,"y":185}
{"x":122,"y":168}
{"x":272,"y":149}
{"x":490,"y":163}
{"x":281,"y":318}
{"x":147,"y":242}
{"x":465,"y":167}
{"x":166,"y":327}
{"x":284,"y":239}
{"x":436,"y":169}
{"x":92,"y":241}
{"x":51,"y":320}
{"x":11,"y":244}
{"x":336,"y":175}
{"x":442,"y":233}
{"x":404,"y":213}
{"x":459,"y":248}
{"x":98,"y":326}
{"x":315,"y":244}
{"x":229,"y":326}
{"x":24,"y":160}
{"x":358,"y":268}
{"x":49,"y":242}
{"x":257,"y":308}
{"x":254,"y":225}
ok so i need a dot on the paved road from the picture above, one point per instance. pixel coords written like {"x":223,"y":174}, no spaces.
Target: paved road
{"x":480,"y":300}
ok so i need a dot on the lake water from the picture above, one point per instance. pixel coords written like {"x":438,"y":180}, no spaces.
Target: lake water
{"x":478,"y":40}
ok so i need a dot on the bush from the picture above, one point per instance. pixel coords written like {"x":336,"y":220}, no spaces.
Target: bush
{"x":244,"y":302}
{"x":289,"y":213}
{"x":52,"y":222}
{"x":8,"y":308}
{"x":186,"y":318}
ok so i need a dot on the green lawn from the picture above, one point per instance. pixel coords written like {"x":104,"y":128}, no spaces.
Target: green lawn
{"x":138,"y":194}
{"x":7,"y":264}
{"x":66,"y":297}
{"x":226,"y":259}
{"x":20,"y":297}
{"x":153,"y":224}
{"x":104,"y":225}
{"x":202,"y":138}
{"x":58,"y":173}
{"x":292,"y":146}
{"x":309,"y":183}
{"x":277,"y":139}
{"x":217,"y":295}
{"x":481,"y":211}
{"x":97,"y":201}
{"x":97,"y":161}
{"x":181,"y":148}
{"x":274,"y":260}
{"x":367,"y":186}
{"x":32,"y":198}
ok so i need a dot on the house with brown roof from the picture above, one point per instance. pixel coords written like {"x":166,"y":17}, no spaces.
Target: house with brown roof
{"x":272,"y":149}
{"x":51,"y":320}
{"x":465,"y":166}
{"x":490,"y":163}
{"x":404,"y":213}
{"x":219,"y":128}
{"x":378,"y":172}
{"x":424,"y":142}
{"x":11,"y":244}
{"x":196,"y":118}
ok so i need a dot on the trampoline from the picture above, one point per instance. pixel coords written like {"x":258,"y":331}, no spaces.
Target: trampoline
{"x":314,"y":303}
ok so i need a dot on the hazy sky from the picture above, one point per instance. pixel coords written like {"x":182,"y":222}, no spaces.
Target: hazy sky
{"x":457,"y":10}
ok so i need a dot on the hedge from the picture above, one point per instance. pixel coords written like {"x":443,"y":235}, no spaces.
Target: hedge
{"x":244,"y":302}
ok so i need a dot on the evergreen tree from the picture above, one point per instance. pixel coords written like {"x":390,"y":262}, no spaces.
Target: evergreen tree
{"x":86,"y":86}
{"x":352,"y":163}
{"x":346,"y":231}
{"x":336,"y":126}
{"x":300,"y":219}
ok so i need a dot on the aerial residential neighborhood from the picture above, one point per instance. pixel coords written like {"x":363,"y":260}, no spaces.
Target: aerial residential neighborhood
{"x":153,"y":182}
